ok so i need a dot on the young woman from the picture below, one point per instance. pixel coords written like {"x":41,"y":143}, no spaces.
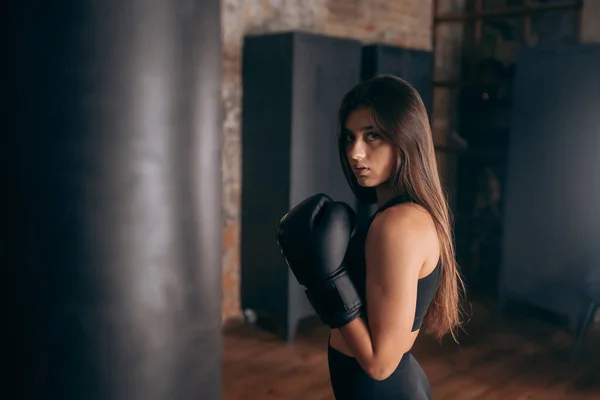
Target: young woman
{"x":403,"y":264}
{"x":396,"y":276}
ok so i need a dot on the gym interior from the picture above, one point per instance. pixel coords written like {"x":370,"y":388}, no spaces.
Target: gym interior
{"x":150,"y":149}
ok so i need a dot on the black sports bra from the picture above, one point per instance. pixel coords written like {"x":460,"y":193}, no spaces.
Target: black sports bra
{"x":355,"y":262}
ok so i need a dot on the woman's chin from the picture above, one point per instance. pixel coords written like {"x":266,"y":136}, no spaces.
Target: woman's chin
{"x":365,"y":182}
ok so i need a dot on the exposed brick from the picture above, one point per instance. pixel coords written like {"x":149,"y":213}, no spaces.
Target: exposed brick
{"x":404,"y":23}
{"x":231,"y":262}
{"x":451,"y":6}
{"x":449,"y":47}
{"x":590,"y":21}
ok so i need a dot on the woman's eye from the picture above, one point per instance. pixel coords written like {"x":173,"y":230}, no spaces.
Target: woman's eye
{"x":348,"y":138}
{"x":373,"y":136}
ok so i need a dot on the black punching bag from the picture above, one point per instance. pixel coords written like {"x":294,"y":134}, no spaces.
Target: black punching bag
{"x":111,"y":224}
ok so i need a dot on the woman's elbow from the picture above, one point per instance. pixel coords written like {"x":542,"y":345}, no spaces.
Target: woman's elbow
{"x":380,"y":374}
{"x":381,"y":370}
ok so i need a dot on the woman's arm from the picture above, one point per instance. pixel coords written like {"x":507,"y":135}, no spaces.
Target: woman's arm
{"x":398,"y":243}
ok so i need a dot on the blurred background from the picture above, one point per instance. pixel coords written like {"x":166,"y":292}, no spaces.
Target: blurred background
{"x":152,"y":147}
{"x":512,"y":88}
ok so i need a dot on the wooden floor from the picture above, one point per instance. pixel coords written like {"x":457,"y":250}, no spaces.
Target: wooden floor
{"x":515,"y":358}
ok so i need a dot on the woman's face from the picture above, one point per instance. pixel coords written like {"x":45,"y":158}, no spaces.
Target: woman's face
{"x":371,"y":157}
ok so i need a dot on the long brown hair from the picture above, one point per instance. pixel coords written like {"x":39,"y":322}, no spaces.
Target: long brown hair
{"x":400,"y":116}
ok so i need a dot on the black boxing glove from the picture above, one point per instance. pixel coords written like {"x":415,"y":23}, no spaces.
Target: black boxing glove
{"x":313,"y":238}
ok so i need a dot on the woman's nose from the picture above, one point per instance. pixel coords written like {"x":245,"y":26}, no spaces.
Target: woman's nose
{"x":357,"y":150}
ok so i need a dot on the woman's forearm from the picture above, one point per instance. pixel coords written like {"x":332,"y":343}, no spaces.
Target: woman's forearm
{"x":375,"y":363}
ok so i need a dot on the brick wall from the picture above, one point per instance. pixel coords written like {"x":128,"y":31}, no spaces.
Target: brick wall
{"x":590,"y":21}
{"x":401,"y":22}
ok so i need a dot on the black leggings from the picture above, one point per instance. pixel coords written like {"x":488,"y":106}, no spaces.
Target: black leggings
{"x":350,"y":382}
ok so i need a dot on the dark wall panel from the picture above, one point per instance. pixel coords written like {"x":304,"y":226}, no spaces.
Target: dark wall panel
{"x":414,"y":66}
{"x":293,"y":85}
{"x":552,"y":209}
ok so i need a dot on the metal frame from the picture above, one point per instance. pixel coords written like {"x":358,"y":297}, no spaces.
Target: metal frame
{"x":478,"y":15}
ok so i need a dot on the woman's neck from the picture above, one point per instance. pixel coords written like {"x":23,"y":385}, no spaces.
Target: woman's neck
{"x":384,"y":194}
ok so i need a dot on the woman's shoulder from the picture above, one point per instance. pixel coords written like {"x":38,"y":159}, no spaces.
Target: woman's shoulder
{"x":403,"y":215}
{"x":409,"y":221}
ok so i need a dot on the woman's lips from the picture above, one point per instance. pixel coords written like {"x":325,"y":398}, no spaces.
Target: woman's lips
{"x":360,"y":170}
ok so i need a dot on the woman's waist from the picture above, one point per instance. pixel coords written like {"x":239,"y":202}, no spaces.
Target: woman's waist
{"x":336,"y":342}
{"x":339,"y":361}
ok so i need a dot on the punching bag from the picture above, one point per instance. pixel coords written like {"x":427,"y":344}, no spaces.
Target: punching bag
{"x":111,"y":225}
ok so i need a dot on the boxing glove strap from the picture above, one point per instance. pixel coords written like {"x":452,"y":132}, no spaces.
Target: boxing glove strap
{"x":335,"y":300}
